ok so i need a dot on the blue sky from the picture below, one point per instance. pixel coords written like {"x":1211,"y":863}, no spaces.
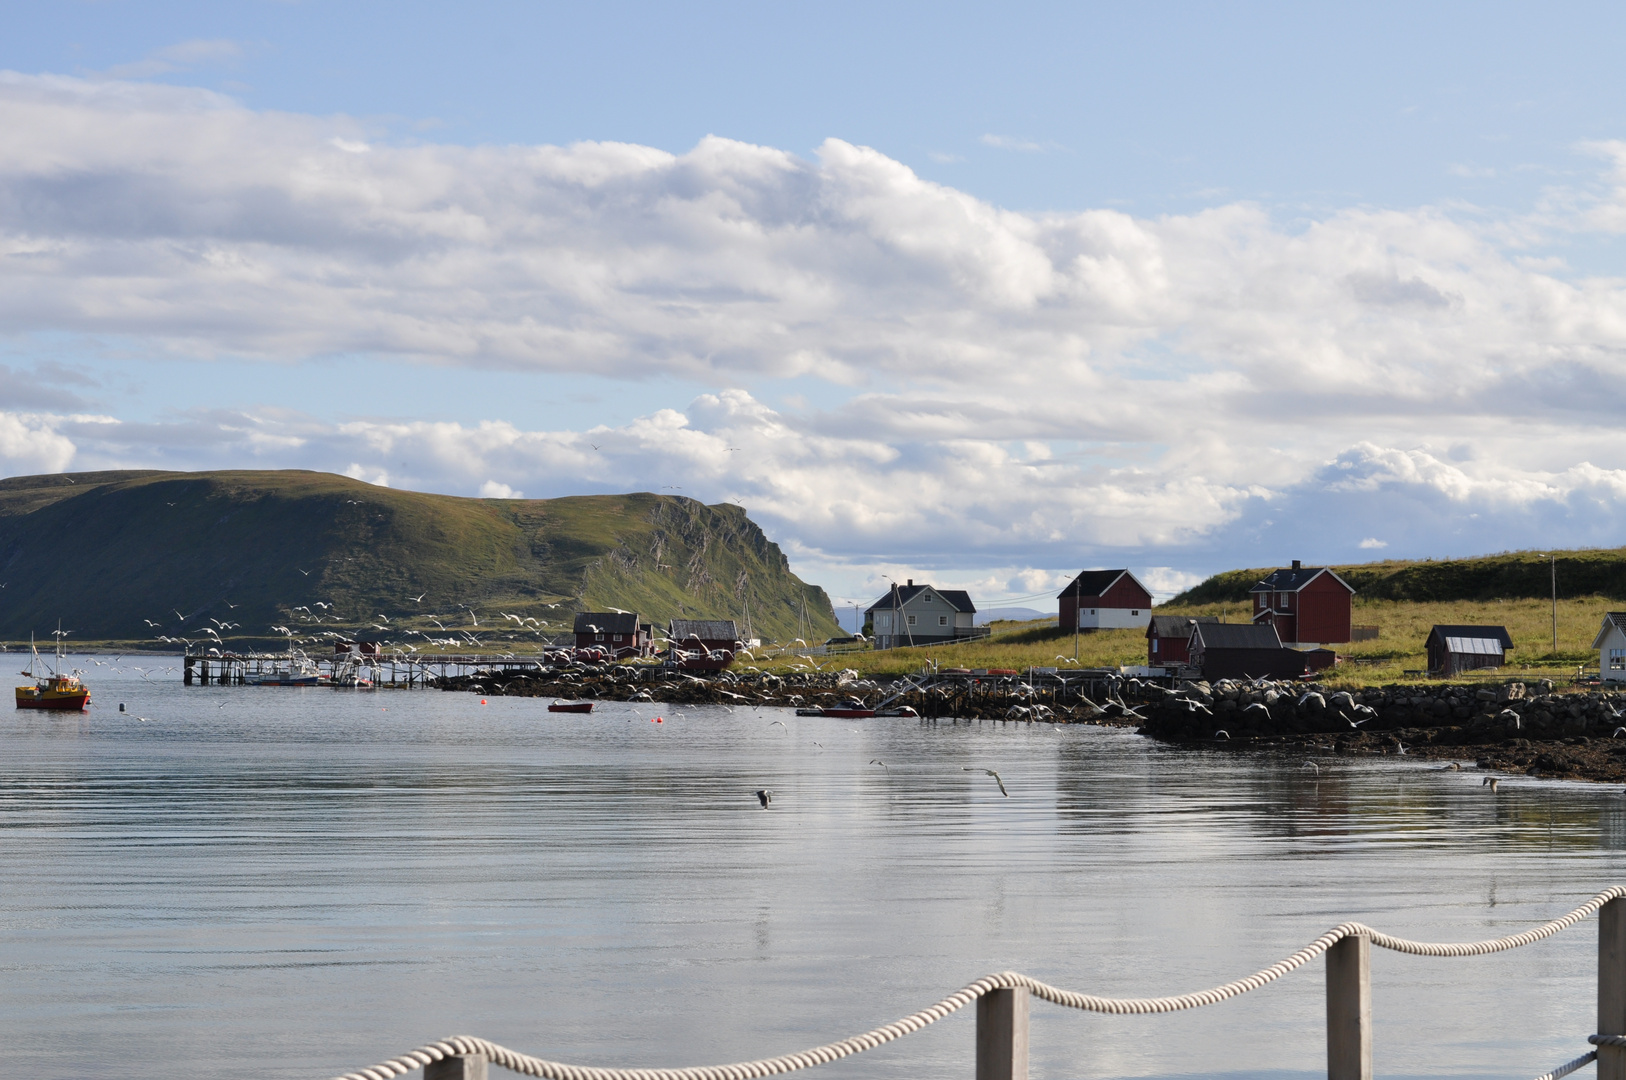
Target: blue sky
{"x":976,"y":294}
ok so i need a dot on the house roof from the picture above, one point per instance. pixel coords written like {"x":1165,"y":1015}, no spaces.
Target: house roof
{"x":1235,"y":636}
{"x":606,"y":622}
{"x":1290,"y":579}
{"x":1097,"y":582}
{"x":682,"y":630}
{"x":958,"y":599}
{"x":1614,"y":620}
{"x":1447,"y":632}
{"x":1473,"y":646}
{"x":1175,"y":626}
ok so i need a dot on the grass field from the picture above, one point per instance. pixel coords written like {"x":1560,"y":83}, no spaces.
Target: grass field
{"x":1403,"y":626}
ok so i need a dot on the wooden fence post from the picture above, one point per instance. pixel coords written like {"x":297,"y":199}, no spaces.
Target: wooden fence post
{"x":1349,"y":1010}
{"x":469,"y":1067}
{"x":1612,"y":987}
{"x":1002,"y":1035}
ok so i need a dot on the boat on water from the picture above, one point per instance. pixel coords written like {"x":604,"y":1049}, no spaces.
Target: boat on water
{"x":53,"y":690}
{"x":571,"y":706}
{"x":297,"y":670}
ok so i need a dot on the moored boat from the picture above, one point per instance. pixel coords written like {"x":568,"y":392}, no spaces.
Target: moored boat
{"x":571,"y":706}
{"x":54,"y":690}
{"x":856,"y":710}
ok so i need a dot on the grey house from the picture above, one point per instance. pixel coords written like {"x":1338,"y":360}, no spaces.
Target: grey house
{"x":922,"y":615}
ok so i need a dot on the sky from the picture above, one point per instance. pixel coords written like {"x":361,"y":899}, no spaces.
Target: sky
{"x":975,"y":294}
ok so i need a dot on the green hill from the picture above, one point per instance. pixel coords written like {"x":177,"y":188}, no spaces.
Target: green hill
{"x":110,"y":553}
{"x":1508,"y":576}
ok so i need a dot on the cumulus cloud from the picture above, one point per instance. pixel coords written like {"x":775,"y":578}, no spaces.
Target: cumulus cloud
{"x":1006,"y":391}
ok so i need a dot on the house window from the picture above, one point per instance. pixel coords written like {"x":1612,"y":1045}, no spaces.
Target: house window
{"x":598,"y":637}
{"x":911,"y":620}
{"x":1287,"y":601}
{"x":928,"y":599}
{"x":942,"y":620}
{"x":1617,"y":659}
{"x":1092,"y":611}
{"x":1134,"y":613}
{"x":1154,"y":649}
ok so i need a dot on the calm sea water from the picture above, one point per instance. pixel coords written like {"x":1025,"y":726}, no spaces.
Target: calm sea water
{"x":293,"y":883}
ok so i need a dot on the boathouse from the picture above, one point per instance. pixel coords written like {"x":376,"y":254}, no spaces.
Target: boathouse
{"x":1104,"y":600}
{"x":704,"y":644}
{"x":921,"y":615}
{"x":1308,"y":605}
{"x":619,"y":634}
{"x":1242,"y":651}
{"x":1168,"y":638}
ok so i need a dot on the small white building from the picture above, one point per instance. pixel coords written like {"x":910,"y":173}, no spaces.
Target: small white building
{"x":1611,"y":646}
{"x":920,"y":615}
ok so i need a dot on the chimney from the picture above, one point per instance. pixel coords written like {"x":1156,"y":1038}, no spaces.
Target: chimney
{"x":911,"y":583}
{"x":1297,"y":565}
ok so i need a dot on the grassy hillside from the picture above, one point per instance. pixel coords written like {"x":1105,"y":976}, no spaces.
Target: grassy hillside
{"x":1508,"y":576}
{"x":111,"y":553}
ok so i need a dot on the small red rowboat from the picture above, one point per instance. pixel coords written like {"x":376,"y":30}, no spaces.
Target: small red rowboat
{"x":571,"y":706}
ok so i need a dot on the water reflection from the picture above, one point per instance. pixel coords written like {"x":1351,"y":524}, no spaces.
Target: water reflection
{"x":261,"y":882}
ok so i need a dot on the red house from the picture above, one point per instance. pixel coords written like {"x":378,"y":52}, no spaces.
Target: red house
{"x":704,"y":644}
{"x":1104,"y":600}
{"x":1308,"y":605}
{"x":1168,"y":638}
{"x":618,"y":633}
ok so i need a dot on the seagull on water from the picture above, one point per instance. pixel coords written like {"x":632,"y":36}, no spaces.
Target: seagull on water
{"x":1490,"y":782}
{"x":764,"y":796}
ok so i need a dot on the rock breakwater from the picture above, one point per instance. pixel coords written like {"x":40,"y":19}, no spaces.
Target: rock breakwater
{"x":1510,"y":727}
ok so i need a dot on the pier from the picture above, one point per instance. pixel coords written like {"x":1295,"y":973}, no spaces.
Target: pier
{"x":400,"y":672}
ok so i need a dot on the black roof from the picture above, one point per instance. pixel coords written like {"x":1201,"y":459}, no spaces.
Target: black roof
{"x":1497,"y":633}
{"x":704,"y":629}
{"x":1293,"y":579}
{"x":1236,"y":635}
{"x":606,"y":622}
{"x":958,"y":599}
{"x":1176,"y":626}
{"x":1092,"y":583}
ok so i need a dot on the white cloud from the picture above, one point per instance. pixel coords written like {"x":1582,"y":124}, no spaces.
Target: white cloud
{"x":1372,"y":543}
{"x":1007,"y":142}
{"x":1005,"y":395}
{"x":493,"y":490}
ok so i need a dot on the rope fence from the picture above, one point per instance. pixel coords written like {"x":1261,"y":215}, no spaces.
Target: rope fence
{"x":1002,"y":1001}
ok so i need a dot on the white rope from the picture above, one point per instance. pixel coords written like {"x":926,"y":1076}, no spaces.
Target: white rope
{"x":820,"y":1055}
{"x":1570,"y":1066}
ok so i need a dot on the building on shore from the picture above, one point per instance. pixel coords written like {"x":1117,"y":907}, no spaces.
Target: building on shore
{"x":1104,"y":600}
{"x":1611,"y":646}
{"x":620,"y":634}
{"x":1168,"y":638}
{"x":1308,"y":605}
{"x":1243,"y":651}
{"x":1455,"y":649}
{"x":922,"y":615}
{"x":704,"y":644}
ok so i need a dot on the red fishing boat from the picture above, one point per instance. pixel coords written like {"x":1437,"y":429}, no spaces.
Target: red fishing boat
{"x":54,"y":690}
{"x":571,"y":706}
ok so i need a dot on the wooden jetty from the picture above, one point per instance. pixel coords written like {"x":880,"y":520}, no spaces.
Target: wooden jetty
{"x":419,"y":671}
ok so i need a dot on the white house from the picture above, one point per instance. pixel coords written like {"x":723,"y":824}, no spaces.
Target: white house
{"x":1611,"y":646}
{"x":921,"y":615}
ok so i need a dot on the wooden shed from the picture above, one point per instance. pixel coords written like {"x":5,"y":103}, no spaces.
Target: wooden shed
{"x":1243,"y":651}
{"x":1454,"y":649}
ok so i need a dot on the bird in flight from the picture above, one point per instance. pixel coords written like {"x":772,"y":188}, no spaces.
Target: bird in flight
{"x":1490,"y":782}
{"x":888,"y":768}
{"x":764,"y":796}
{"x":307,"y":573}
{"x":990,"y":772}
{"x":419,"y":598}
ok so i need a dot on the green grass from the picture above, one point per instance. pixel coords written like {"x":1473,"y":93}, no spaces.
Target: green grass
{"x":1506,"y":576}
{"x":109,"y":551}
{"x":1403,"y":627}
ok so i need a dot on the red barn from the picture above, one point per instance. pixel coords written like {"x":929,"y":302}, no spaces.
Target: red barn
{"x":1168,"y":638}
{"x":1104,"y":600}
{"x":1308,"y":605}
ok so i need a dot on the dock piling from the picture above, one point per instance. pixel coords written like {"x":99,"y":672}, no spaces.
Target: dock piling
{"x":1612,"y":987}
{"x":457,"y":1067}
{"x":1002,"y":1035}
{"x":1349,"y":1009}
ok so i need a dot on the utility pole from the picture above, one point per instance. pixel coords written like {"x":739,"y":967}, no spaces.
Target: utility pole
{"x":1554,"y":558}
{"x":1076,"y":584}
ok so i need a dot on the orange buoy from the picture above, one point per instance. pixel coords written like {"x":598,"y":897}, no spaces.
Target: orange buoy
{"x":658,"y":720}
{"x":482,"y":701}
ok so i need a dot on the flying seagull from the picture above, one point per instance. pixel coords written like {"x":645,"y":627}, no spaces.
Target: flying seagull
{"x":990,"y":772}
{"x":1489,"y":781}
{"x":764,"y":796}
{"x":882,"y":764}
